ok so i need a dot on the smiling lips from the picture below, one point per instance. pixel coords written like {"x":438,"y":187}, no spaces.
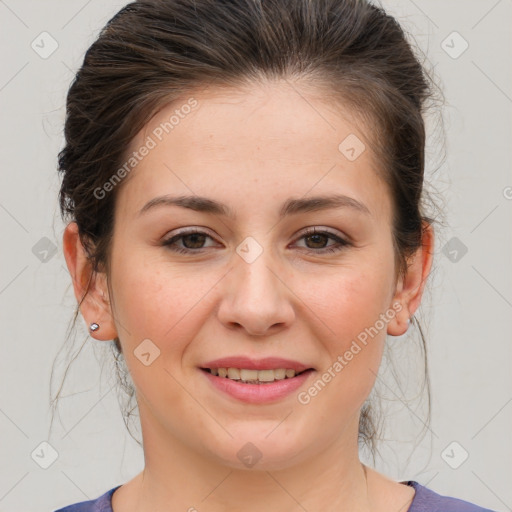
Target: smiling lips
{"x":256,"y":381}
{"x":262,"y":370}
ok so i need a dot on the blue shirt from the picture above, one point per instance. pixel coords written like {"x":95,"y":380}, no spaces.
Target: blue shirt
{"x":425,"y":500}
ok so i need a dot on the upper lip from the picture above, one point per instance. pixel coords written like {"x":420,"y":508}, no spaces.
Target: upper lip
{"x":267,"y":363}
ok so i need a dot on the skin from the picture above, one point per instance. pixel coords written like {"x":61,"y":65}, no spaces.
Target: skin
{"x":252,"y":149}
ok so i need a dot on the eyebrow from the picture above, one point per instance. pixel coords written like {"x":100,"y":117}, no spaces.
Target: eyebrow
{"x":290,"y":207}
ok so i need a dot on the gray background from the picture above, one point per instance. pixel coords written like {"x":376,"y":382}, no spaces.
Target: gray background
{"x":467,"y":313}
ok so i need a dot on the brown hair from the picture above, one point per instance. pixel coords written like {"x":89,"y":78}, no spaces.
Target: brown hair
{"x":154,"y":51}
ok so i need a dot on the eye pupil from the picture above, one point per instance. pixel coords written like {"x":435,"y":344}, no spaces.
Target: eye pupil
{"x":316,"y":238}
{"x":194,"y":236}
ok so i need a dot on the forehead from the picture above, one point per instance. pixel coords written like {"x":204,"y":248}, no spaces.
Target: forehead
{"x":277,"y":119}
{"x":272,"y":140}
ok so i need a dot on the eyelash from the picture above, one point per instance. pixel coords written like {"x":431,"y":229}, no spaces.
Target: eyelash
{"x":340,"y":242}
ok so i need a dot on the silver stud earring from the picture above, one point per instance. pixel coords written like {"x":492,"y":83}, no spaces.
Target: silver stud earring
{"x":94,"y":327}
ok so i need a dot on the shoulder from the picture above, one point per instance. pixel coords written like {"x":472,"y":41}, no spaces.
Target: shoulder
{"x":426,"y":500}
{"x":101,"y":504}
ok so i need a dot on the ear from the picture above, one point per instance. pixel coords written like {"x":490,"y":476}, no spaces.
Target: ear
{"x":96,"y":305}
{"x":409,"y":289}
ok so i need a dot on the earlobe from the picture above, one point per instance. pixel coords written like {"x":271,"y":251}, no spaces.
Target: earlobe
{"x":400,"y":323}
{"x":90,"y":287}
{"x":410,"y":288}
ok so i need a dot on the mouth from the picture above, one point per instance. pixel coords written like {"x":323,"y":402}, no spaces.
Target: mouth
{"x":256,"y":381}
{"x":255,"y":376}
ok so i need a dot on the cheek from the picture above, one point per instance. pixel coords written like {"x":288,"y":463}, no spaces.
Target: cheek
{"x":351,"y":308}
{"x":348,"y":301}
{"x":154,"y":300}
{"x":155,"y":303}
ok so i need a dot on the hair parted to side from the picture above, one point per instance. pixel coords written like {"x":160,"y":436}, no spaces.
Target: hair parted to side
{"x":155,"y":51}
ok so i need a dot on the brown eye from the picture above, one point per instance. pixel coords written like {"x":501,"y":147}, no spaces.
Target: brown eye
{"x":191,"y":241}
{"x":196,"y":240}
{"x":319,"y":239}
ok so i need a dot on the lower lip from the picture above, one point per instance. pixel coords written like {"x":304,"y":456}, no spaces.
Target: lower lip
{"x":258,"y":393}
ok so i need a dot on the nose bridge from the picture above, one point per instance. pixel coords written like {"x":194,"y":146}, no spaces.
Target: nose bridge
{"x":253,"y":268}
{"x":255,"y":297}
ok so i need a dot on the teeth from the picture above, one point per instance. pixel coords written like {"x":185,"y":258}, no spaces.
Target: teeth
{"x":266,"y":375}
{"x":253,"y":376}
{"x":280,"y":374}
{"x":248,"y":374}
{"x":234,"y":373}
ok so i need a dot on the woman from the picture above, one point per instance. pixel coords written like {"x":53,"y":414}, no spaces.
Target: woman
{"x":244,"y":187}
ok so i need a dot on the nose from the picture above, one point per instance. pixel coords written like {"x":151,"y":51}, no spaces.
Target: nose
{"x":256,"y":296}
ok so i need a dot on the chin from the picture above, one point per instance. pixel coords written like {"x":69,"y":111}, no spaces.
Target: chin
{"x":255,"y":452}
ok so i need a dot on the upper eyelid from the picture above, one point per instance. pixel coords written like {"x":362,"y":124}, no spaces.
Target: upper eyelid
{"x":192,"y":230}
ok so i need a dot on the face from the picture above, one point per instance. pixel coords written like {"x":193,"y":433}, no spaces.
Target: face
{"x":242,"y":275}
